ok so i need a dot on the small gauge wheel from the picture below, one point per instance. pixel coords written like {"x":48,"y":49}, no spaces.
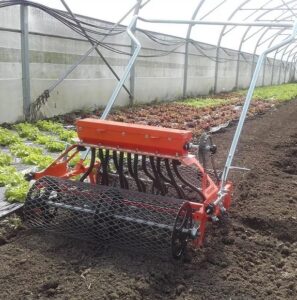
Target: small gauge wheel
{"x":181,"y":230}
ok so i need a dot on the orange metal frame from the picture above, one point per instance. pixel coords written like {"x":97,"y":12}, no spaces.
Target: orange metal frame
{"x":141,"y":139}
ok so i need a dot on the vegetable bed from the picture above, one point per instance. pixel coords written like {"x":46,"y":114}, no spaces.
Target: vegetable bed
{"x":32,"y":144}
{"x":251,"y":256}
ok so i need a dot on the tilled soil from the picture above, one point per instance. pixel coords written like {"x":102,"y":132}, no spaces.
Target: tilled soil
{"x":252,"y":255}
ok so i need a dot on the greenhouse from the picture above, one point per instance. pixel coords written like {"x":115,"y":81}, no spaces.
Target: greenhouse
{"x":148,"y":149}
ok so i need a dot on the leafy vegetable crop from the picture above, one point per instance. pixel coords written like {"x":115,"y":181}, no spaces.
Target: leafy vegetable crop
{"x":57,"y":128}
{"x":9,"y":175}
{"x":43,"y":139}
{"x":27,"y":130}
{"x":50,"y":126}
{"x":282,"y":92}
{"x":21,"y":150}
{"x":5,"y":159}
{"x":67,"y":135}
{"x":40,"y":160}
{"x":50,"y":143}
{"x":31,"y":155}
{"x":17,"y":193}
{"x":55,"y":146}
{"x":7,"y":137}
{"x":16,"y":187}
{"x":201,"y":102}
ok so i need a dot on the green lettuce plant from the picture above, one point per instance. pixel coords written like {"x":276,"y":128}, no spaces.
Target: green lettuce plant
{"x":67,"y":135}
{"x":27,"y":130}
{"x":17,"y":193}
{"x":40,"y":160}
{"x":9,"y":175}
{"x":57,"y":128}
{"x":50,"y":126}
{"x":54,"y":146}
{"x":7,"y":137}
{"x":43,"y":139}
{"x":5,"y":159}
{"x":21,"y":150}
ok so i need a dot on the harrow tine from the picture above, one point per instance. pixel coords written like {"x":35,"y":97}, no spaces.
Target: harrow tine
{"x":133,"y":170}
{"x":123,"y":180}
{"x":158,"y":182}
{"x":104,"y":163}
{"x":159,"y":170}
{"x":119,"y":165}
{"x":145,"y":170}
{"x":175,"y":163}
{"x":129,"y":164}
{"x":179,"y":191}
{"x":171,"y":179}
{"x":115,"y":159}
{"x":91,"y":166}
{"x":135,"y":165}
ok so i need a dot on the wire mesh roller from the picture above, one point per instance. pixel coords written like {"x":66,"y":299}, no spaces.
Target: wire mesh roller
{"x":109,"y":216}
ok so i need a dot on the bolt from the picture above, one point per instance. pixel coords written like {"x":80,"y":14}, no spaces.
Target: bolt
{"x":214,"y":218}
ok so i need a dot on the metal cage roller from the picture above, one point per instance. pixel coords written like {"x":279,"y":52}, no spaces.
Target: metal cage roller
{"x":109,"y":216}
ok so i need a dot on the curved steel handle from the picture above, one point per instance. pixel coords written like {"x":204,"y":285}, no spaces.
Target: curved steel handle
{"x":126,"y":72}
{"x":245,"y":108}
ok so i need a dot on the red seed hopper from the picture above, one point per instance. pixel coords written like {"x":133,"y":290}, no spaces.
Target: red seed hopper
{"x":131,"y":186}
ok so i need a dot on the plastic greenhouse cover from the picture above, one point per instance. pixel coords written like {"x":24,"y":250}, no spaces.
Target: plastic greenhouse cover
{"x":247,"y":39}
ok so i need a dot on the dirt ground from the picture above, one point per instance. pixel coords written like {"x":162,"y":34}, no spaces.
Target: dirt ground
{"x":252,"y":256}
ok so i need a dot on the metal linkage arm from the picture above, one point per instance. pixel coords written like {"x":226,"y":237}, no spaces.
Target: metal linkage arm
{"x":127,"y":70}
{"x":245,"y":108}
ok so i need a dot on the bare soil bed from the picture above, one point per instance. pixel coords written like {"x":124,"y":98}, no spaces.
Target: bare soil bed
{"x":252,"y":256}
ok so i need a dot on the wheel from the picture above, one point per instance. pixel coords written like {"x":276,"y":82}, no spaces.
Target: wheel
{"x":181,"y":230}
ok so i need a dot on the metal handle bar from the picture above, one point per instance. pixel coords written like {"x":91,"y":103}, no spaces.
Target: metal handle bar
{"x":124,"y":77}
{"x":245,"y":108}
{"x":127,"y":70}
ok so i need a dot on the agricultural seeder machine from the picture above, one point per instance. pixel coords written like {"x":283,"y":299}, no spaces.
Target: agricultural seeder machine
{"x":143,"y":187}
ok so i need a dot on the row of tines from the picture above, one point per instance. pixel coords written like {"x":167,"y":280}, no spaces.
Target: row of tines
{"x":149,"y":174}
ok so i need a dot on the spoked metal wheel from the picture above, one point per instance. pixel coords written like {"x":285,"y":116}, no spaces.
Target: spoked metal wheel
{"x":181,"y":230}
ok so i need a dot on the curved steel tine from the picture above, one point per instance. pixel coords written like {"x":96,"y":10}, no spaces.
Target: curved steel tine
{"x":132,"y":171}
{"x":104,"y":163}
{"x":145,"y":170}
{"x":159,"y":170}
{"x":129,"y":164}
{"x":115,"y":159}
{"x":175,"y":163}
{"x":179,"y":191}
{"x":158,"y":181}
{"x":123,"y":180}
{"x":140,"y":185}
